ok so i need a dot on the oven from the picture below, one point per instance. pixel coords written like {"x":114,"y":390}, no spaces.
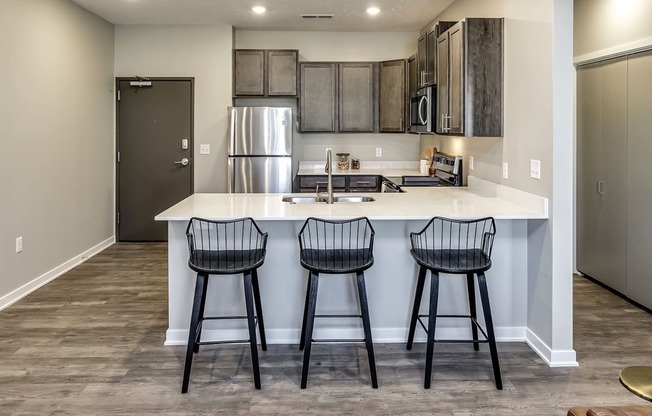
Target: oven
{"x":422,"y":110}
{"x":448,"y":172}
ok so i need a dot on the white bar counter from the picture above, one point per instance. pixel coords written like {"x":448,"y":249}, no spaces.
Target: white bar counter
{"x":390,"y":281}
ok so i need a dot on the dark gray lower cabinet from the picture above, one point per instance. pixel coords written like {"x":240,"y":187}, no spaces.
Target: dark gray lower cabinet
{"x":341,"y":183}
{"x":318,"y":97}
{"x":614,"y":191}
{"x":392,"y":97}
{"x":356,"y":96}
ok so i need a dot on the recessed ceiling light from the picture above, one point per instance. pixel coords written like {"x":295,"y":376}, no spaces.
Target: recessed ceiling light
{"x":259,"y":9}
{"x":373,"y":10}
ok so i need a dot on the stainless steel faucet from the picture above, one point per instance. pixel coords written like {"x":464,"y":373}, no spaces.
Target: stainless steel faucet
{"x":328,"y":169}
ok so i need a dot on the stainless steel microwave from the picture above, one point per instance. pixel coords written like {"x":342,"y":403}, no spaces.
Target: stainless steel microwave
{"x":422,"y":110}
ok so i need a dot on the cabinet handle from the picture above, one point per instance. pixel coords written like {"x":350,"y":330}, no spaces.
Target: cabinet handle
{"x":363,"y":183}
{"x":600,"y":187}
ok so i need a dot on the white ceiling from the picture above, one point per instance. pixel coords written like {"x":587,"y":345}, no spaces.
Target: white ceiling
{"x":350,"y":15}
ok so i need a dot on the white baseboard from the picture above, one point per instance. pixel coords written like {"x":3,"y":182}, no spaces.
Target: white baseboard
{"x":16,"y":295}
{"x":380,"y":335}
{"x":554,"y":358}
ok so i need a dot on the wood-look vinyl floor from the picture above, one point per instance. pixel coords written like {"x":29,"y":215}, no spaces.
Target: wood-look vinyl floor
{"x":91,"y":342}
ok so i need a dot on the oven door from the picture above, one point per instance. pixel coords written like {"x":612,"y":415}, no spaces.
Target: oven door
{"x":421,"y":111}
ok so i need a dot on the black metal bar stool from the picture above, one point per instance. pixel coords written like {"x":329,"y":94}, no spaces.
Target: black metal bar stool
{"x":335,"y":247}
{"x":454,"y":247}
{"x":220,"y":248}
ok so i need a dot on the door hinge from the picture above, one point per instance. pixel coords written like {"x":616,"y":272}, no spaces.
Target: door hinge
{"x":118,"y":219}
{"x":118,"y":157}
{"x":118,"y":95}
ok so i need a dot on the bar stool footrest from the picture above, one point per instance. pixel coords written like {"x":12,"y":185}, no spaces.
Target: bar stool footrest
{"x":200,"y":324}
{"x":339,"y":340}
{"x":475,"y":321}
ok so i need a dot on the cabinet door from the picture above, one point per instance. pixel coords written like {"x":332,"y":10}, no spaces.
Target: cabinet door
{"x":356,"y":97}
{"x":455,"y":118}
{"x":392,"y":96}
{"x":442,"y":83}
{"x":249,"y":71}
{"x":431,"y":56}
{"x":639,"y":195}
{"x":282,"y":72}
{"x":422,"y":57}
{"x":317,"y":97}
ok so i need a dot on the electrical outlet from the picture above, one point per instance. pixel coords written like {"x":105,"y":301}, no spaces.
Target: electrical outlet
{"x":471,"y":162}
{"x":505,"y":170}
{"x":535,"y":169}
{"x":19,"y":245}
{"x":204,"y":149}
{"x":379,"y":152}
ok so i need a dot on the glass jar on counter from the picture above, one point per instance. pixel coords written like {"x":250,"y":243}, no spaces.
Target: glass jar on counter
{"x":355,"y":164}
{"x":343,"y":161}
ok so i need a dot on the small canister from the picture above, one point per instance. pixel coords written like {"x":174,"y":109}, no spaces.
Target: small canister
{"x":355,"y":164}
{"x":343,"y":161}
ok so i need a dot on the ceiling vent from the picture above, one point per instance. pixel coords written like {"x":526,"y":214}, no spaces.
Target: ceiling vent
{"x":317,"y":16}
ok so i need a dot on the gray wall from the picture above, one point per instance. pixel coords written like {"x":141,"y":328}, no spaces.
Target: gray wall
{"x":56,"y":136}
{"x":203,"y":52}
{"x":339,"y":46}
{"x":604,"y":24}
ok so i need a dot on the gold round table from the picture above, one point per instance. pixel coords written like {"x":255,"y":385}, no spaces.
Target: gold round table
{"x":638,"y":380}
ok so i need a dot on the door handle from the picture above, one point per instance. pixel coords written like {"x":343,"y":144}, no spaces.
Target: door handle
{"x":600,"y":187}
{"x":183,"y":162}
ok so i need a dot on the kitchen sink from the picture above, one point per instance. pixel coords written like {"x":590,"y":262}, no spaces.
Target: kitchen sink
{"x":311,"y":199}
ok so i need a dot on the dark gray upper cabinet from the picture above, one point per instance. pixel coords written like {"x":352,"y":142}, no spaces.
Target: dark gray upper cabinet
{"x":356,"y":97}
{"x":249,"y":72}
{"x":318,"y":97}
{"x":411,"y":84}
{"x":392,"y":97}
{"x":282,"y":72}
{"x":265,"y":72}
{"x":427,"y":54}
{"x":470,"y":79}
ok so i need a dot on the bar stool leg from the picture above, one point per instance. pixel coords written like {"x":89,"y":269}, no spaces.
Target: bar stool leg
{"x":366,"y":324}
{"x":249,"y":303}
{"x":259,"y":309}
{"x":415,"y":308}
{"x":432,"y":320}
{"x":470,"y":285}
{"x":484,"y":296}
{"x":302,"y":340}
{"x":201,"y":314}
{"x":195,"y":317}
{"x":310,"y":321}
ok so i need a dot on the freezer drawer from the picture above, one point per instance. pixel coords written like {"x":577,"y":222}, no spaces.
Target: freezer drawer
{"x":260,"y":174}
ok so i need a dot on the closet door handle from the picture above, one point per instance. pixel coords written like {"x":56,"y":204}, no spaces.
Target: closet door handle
{"x":600,"y":187}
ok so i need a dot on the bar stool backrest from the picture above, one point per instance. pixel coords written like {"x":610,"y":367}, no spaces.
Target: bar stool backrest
{"x":349,"y":242}
{"x":225,"y":245}
{"x":458,"y":243}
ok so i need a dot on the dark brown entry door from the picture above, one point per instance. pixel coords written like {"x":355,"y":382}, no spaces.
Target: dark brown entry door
{"x":154,"y":144}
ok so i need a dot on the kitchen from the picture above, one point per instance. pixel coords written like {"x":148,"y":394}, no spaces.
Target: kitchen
{"x":205,"y":53}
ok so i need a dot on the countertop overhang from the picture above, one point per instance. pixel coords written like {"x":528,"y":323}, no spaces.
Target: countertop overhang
{"x":479,"y":199}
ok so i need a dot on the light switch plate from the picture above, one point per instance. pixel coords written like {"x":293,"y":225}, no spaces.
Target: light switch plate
{"x":505,"y":170}
{"x":535,"y":169}
{"x":19,"y":244}
{"x":471,"y":162}
{"x":204,"y":149}
{"x":379,"y":152}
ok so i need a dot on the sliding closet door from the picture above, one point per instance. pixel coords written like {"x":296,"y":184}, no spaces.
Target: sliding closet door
{"x":639,"y":227}
{"x":602,"y":172}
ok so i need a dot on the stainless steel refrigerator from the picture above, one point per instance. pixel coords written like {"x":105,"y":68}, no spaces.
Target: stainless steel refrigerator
{"x":260,"y":149}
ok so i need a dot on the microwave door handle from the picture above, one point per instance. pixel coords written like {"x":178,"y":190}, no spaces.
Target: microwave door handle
{"x":422,"y":119}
